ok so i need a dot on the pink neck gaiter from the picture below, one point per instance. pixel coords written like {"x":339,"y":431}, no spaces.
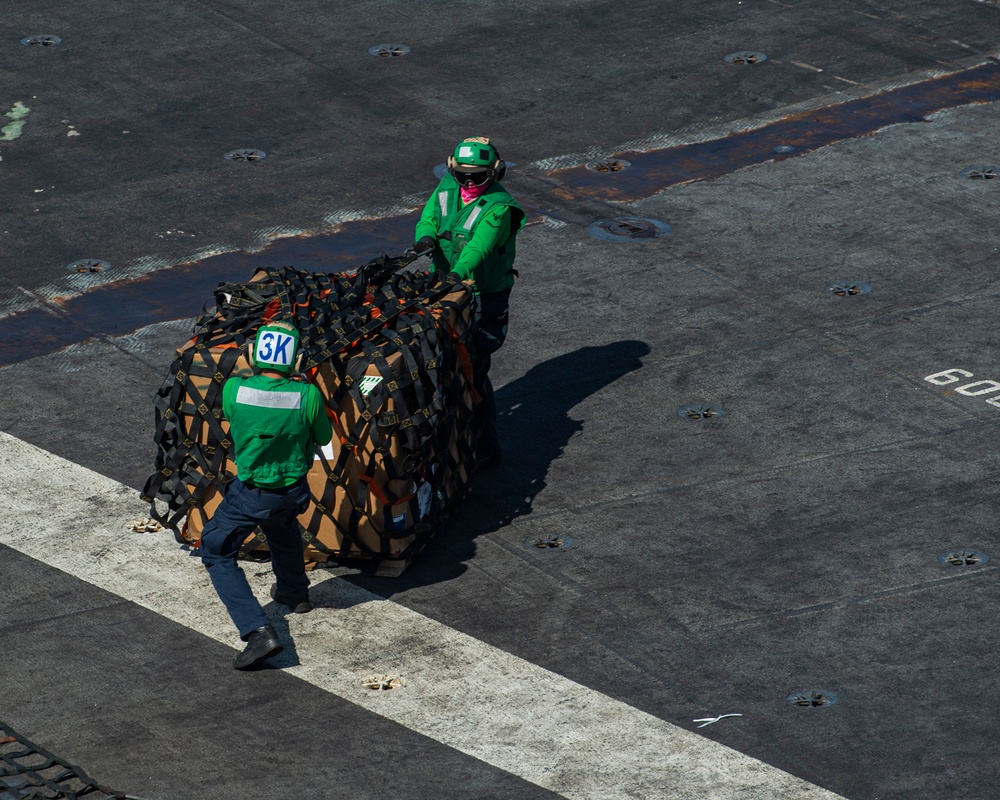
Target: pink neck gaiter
{"x":473,"y":192}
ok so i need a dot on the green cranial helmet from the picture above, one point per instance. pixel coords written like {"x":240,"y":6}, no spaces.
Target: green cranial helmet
{"x":474,"y":153}
{"x":477,"y":159}
{"x":276,"y":347}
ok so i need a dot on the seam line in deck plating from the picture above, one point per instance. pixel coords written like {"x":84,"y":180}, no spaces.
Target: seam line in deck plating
{"x":844,"y":602}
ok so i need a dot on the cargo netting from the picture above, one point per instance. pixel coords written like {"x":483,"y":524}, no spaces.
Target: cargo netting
{"x":29,"y":771}
{"x":390,"y":350}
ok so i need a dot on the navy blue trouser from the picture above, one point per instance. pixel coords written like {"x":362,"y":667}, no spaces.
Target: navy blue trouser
{"x":491,"y":331}
{"x":244,"y":508}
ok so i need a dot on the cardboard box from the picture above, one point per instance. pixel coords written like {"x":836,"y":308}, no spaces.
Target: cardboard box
{"x":366,"y":513}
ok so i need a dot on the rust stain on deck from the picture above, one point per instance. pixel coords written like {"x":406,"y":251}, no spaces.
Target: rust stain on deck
{"x":122,"y":307}
{"x":807,"y":131}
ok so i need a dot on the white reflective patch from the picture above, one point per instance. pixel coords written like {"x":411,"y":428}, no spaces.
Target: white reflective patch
{"x":473,"y":217}
{"x":368,"y":383}
{"x":466,"y":151}
{"x":325,"y":453}
{"x":255,"y":397}
{"x":443,"y":200}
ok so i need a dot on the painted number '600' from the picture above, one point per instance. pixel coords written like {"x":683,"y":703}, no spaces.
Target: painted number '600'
{"x":973,"y":389}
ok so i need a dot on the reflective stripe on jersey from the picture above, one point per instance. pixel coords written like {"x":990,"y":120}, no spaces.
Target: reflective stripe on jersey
{"x":255,"y":397}
{"x":443,"y":199}
{"x":473,"y":216}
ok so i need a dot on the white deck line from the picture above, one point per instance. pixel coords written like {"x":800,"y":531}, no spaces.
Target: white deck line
{"x":458,"y":690}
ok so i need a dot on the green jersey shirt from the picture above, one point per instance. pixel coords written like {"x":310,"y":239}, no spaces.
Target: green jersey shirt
{"x":276,"y":425}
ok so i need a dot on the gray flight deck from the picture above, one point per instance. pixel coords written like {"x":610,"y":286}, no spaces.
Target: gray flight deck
{"x":790,"y":545}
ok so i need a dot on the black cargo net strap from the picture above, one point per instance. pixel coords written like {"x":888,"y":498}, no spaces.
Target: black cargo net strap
{"x":400,"y":319}
{"x":193,"y":446}
{"x":416,"y":406}
{"x":255,"y":540}
{"x":182,"y":463}
{"x":458,"y":451}
{"x":28,"y":771}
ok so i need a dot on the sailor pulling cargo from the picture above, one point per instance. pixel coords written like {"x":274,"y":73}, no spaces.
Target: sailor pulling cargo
{"x":469,"y":226}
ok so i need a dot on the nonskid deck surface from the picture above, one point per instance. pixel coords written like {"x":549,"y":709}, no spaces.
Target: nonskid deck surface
{"x":748,"y":389}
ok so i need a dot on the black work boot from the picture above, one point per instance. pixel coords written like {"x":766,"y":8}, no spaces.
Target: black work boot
{"x":299,"y":605}
{"x":261,"y":645}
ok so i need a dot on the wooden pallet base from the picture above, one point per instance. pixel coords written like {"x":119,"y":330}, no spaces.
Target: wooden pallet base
{"x":391,"y":569}
{"x":385,"y":568}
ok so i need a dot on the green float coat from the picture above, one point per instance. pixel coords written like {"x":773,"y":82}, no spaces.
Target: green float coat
{"x":482,"y":234}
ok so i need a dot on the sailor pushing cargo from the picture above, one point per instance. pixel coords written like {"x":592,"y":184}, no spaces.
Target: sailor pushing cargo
{"x":276,"y":424}
{"x":469,"y":226}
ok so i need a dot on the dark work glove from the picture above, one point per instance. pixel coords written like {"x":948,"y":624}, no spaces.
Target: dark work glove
{"x":423,"y":245}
